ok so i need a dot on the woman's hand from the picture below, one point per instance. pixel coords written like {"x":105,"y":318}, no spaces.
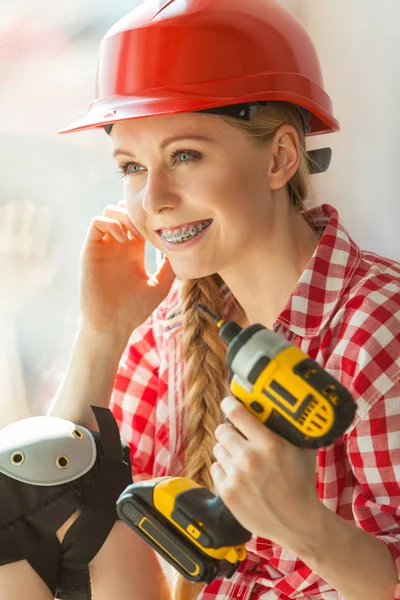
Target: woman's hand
{"x":116,"y":292}
{"x":268,"y":484}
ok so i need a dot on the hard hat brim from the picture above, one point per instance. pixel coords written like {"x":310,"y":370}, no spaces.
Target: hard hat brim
{"x":287,"y":87}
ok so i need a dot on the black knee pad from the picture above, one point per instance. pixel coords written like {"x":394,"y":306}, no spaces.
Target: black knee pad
{"x":49,"y":469}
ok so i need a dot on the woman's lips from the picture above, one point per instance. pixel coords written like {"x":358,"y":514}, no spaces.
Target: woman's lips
{"x":185,"y":237}
{"x":178,"y":228}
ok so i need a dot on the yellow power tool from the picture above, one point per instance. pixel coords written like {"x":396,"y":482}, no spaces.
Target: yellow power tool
{"x":287,"y":391}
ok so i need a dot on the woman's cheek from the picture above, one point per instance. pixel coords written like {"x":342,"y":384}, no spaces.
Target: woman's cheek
{"x":134,"y":208}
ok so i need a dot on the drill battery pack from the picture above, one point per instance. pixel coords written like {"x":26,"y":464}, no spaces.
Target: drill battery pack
{"x":163,"y":512}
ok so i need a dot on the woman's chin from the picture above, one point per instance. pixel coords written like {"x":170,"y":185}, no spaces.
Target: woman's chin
{"x":188,"y":272}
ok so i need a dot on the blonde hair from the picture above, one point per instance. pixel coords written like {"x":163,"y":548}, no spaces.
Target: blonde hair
{"x":204,"y":352}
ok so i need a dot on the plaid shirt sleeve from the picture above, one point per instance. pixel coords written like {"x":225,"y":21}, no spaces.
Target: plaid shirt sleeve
{"x":374,"y":453}
{"x":134,"y":398}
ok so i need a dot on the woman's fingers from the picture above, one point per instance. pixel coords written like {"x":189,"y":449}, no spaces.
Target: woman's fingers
{"x":218,"y":474}
{"x":245,"y":423}
{"x":116,"y":222}
{"x":222,"y":454}
{"x":119,"y":213}
{"x":100,"y":226}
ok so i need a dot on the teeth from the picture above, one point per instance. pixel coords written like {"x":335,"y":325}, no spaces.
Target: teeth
{"x":185,"y":234}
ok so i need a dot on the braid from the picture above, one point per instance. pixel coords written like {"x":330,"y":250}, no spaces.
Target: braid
{"x":206,"y":375}
{"x":204,"y":356}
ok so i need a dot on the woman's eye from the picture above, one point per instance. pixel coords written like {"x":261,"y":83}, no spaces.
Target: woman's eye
{"x":132,"y":168}
{"x":129,"y":169}
{"x":184,"y":156}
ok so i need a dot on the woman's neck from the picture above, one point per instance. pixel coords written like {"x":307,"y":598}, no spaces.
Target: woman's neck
{"x":265,"y":277}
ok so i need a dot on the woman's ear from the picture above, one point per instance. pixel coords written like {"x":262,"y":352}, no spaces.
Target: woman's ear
{"x":284,"y":157}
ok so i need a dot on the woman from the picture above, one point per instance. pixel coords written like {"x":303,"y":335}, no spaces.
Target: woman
{"x":208,"y":104}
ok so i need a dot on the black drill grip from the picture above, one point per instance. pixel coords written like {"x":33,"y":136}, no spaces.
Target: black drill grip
{"x":218,"y":526}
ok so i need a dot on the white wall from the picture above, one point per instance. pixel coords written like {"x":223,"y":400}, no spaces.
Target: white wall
{"x":358,"y":42}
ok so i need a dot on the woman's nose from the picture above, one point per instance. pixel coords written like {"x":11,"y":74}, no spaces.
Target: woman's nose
{"x":159,"y":193}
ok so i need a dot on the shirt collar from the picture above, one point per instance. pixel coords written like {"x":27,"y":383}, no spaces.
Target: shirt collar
{"x":326,"y":277}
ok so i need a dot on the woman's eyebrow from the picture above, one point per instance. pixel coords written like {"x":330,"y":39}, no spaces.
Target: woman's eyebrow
{"x":165,"y":143}
{"x":179,"y":138}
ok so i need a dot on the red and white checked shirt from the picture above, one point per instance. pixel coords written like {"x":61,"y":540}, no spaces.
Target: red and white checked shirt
{"x":344,"y":313}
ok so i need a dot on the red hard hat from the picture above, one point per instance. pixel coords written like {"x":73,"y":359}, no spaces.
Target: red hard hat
{"x":174,"y":56}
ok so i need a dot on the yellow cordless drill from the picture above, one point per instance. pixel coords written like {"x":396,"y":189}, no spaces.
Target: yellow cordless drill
{"x":284,"y":389}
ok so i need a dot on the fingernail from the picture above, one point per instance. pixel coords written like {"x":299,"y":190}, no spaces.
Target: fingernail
{"x":217,"y":432}
{"x":228,"y":404}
